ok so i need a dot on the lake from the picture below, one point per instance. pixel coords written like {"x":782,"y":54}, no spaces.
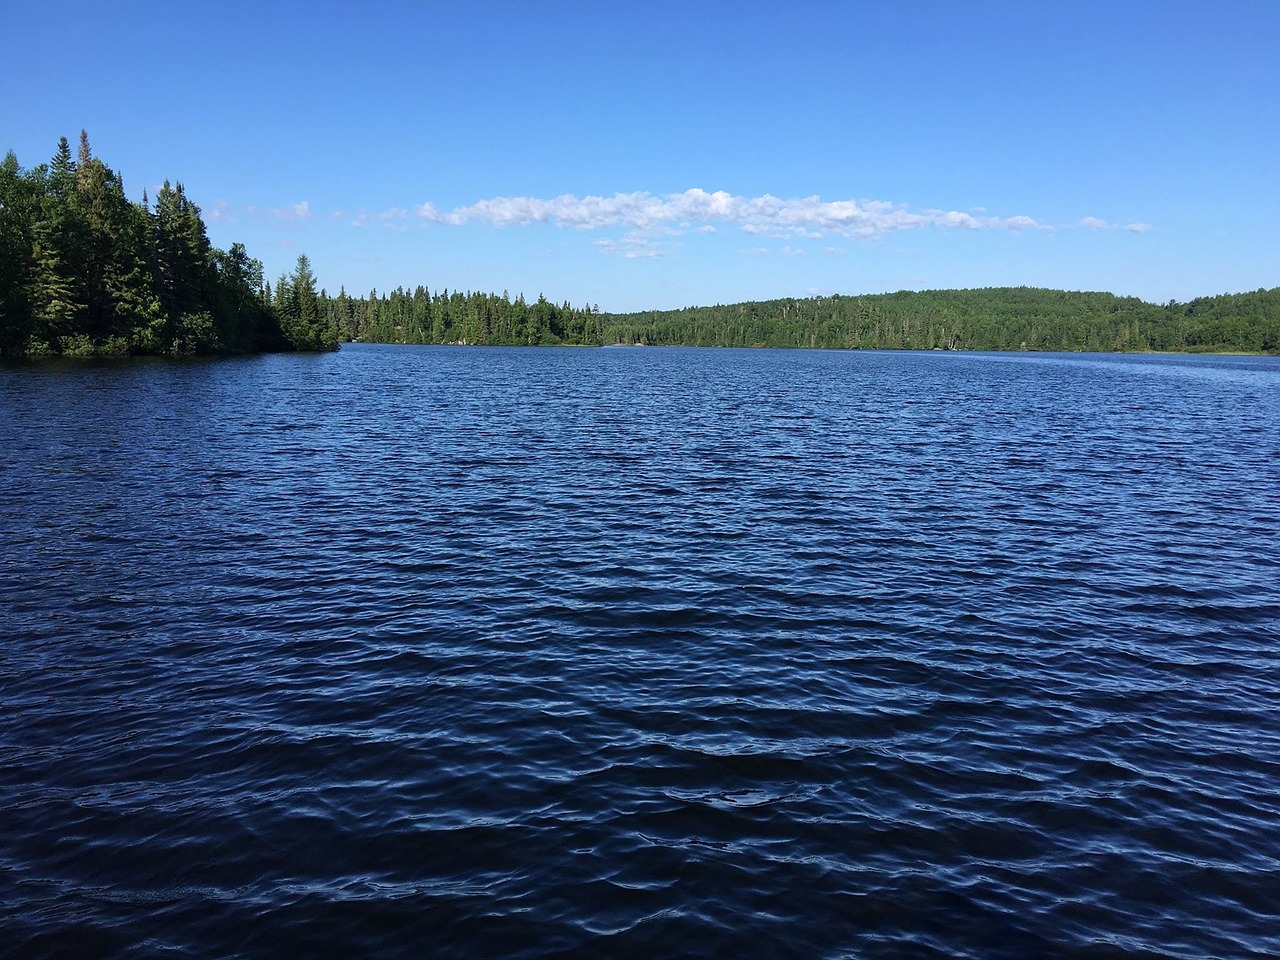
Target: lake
{"x":474,"y":652}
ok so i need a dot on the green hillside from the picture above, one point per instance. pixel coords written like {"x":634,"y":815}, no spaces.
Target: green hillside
{"x":995,"y":318}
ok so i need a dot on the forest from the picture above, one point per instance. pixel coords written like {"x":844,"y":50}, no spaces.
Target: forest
{"x":84,"y":271}
{"x":999,"y":318}
{"x":420,"y":316}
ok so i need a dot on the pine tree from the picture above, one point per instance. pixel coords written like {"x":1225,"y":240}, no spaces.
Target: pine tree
{"x":303,"y":325}
{"x":118,"y":290}
{"x":15,"y":258}
{"x":308,"y":315}
{"x":241,"y":320}
{"x":58,"y":242}
{"x":181,"y":253}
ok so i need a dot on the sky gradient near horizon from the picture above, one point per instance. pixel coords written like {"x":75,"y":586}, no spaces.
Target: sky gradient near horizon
{"x":668,"y":154}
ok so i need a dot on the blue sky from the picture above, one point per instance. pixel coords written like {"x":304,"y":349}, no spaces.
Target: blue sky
{"x":665,"y":154}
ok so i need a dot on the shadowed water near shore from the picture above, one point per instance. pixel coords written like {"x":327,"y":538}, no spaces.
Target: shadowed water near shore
{"x":499,"y":652}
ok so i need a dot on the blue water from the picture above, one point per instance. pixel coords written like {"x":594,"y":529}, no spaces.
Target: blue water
{"x":408,"y":652}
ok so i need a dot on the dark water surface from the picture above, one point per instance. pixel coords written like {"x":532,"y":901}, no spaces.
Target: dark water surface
{"x":407,"y":652}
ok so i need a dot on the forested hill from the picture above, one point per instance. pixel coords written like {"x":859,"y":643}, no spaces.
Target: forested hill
{"x":998,"y":318}
{"x":995,"y":318}
{"x":85,"y":271}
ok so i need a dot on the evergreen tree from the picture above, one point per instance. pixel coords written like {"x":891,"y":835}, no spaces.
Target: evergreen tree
{"x":298,"y":306}
{"x":58,"y":247}
{"x":181,"y":256}
{"x":244,"y":323}
{"x":118,"y":290}
{"x":15,"y":258}
{"x":84,"y":270}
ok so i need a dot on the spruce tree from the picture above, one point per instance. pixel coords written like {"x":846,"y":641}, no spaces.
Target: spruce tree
{"x":15,"y":258}
{"x":298,"y":306}
{"x":58,"y":247}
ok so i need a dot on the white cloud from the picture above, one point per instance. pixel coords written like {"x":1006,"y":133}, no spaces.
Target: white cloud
{"x":393,"y":219}
{"x":1022,"y":223}
{"x":809,"y":217}
{"x":220,"y":212}
{"x":954,"y":218}
{"x":297,"y":211}
{"x":632,"y":247}
{"x":1097,"y":223}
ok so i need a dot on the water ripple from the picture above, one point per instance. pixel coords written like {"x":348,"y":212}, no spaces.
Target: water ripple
{"x":407,"y":652}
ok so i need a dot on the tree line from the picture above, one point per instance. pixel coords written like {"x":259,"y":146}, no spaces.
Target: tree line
{"x":998,"y":318}
{"x":85,"y":271}
{"x":420,"y":316}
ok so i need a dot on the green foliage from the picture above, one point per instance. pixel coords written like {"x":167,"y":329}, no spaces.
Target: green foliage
{"x":84,"y":271}
{"x":76,"y":345}
{"x":15,"y":250}
{"x":194,"y":333}
{"x":419,"y":316}
{"x":1001,"y":318}
{"x":298,"y":306}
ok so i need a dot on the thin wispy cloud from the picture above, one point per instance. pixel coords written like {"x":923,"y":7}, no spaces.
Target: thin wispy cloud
{"x":219,"y":212}
{"x":394,"y":219}
{"x":632,"y":247}
{"x":296,"y":211}
{"x":1095,"y":223}
{"x":766,"y":215}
